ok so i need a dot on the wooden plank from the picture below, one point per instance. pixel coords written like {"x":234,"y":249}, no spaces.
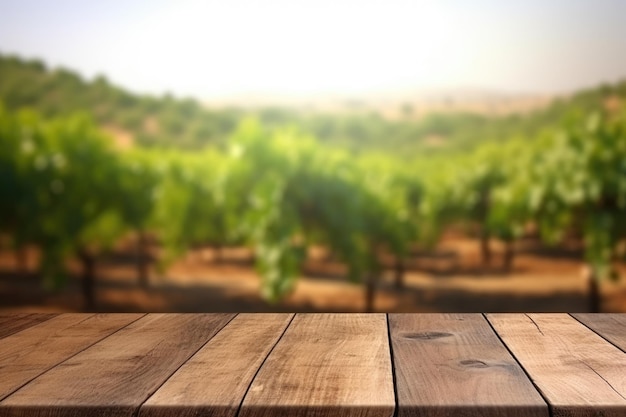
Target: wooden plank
{"x":610,"y":326}
{"x":578,"y":372}
{"x":326,"y":364}
{"x":114,"y":377}
{"x":14,"y":322}
{"x":213,"y":382}
{"x":31,"y":352}
{"x":447,"y":364}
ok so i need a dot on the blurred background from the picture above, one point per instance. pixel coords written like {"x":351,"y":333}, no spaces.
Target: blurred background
{"x":399,"y":156}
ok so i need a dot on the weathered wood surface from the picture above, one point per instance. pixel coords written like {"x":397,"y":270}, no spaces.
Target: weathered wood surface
{"x":445,"y":362}
{"x":326,"y":365}
{"x":115,"y":376}
{"x":612,"y":327}
{"x":215,"y":380}
{"x":577,"y":371}
{"x":250,"y":365}
{"x":32,"y":351}
{"x":13,"y":323}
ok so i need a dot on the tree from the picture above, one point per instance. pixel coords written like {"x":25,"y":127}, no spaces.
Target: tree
{"x":138,"y":181}
{"x":62,"y":192}
{"x":581,"y":184}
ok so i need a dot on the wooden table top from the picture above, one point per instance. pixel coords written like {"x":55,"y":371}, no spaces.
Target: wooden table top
{"x":313,"y":364}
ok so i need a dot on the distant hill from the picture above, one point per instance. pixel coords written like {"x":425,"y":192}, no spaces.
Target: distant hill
{"x":395,"y":105}
{"x":397,"y":124}
{"x":149,"y":120}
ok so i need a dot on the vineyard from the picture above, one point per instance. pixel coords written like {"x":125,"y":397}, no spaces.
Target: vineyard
{"x":277,"y":189}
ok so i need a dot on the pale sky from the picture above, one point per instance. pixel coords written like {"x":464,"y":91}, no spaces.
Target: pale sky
{"x":209,"y":49}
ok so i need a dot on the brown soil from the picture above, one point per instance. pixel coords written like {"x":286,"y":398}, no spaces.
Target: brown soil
{"x":122,"y":138}
{"x":449,"y":279}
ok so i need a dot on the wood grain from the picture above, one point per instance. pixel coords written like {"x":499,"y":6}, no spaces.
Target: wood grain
{"x":13,"y":323}
{"x":612,"y":327}
{"x":448,"y":363}
{"x":326,"y":364}
{"x":213,"y":382}
{"x":578,"y":372}
{"x":114,"y":377}
{"x":32,"y":351}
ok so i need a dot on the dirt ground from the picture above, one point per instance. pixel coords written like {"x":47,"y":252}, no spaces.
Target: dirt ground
{"x":448,"y":279}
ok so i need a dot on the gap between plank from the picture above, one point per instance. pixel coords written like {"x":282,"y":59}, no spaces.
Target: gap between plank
{"x":550,"y":409}
{"x":598,"y":333}
{"x":396,"y":408}
{"x":150,"y":394}
{"x":71,"y":356}
{"x":293,"y":316}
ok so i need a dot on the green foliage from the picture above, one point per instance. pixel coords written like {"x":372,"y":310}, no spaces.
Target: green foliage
{"x":65,"y":188}
{"x":60,"y":191}
{"x":580,"y":186}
